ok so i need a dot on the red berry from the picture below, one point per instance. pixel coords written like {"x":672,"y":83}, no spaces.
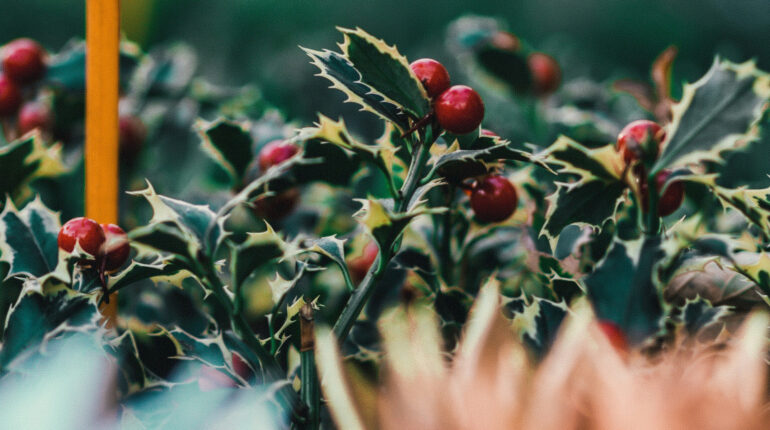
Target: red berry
{"x":24,"y":61}
{"x":634,"y":135}
{"x":116,"y":247}
{"x":432,"y":74}
{"x":241,"y":368}
{"x":459,"y":109}
{"x":277,"y":207}
{"x":672,"y":197}
{"x":34,"y":116}
{"x":360,"y":265}
{"x":614,"y":334}
{"x":493,"y":198}
{"x":275,"y":152}
{"x":132,"y":136}
{"x":84,"y":231}
{"x":10,"y":96}
{"x":546,"y":73}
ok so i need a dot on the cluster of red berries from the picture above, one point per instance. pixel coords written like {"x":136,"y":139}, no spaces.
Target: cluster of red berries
{"x":24,"y":63}
{"x":107,"y":243}
{"x":644,"y":137}
{"x":276,"y":207}
{"x":458,"y":109}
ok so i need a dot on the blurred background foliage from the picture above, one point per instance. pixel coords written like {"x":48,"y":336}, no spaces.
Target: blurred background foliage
{"x":247,"y":41}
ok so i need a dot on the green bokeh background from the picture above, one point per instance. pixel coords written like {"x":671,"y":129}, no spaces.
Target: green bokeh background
{"x":250,"y":41}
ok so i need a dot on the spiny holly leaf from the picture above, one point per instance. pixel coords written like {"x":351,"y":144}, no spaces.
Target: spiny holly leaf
{"x":256,"y":250}
{"x":36,"y":316}
{"x":698,"y":314}
{"x":717,"y":113}
{"x":378,"y":218}
{"x":758,"y":272}
{"x":138,"y":271}
{"x":457,"y":164}
{"x":593,"y":197}
{"x":333,"y":249}
{"x":229,"y":144}
{"x":28,"y":239}
{"x":24,"y":160}
{"x":621,"y":288}
{"x":539,"y":322}
{"x":179,"y":227}
{"x":753,"y":204}
{"x":164,"y":72}
{"x":385,"y":70}
{"x":68,"y":67}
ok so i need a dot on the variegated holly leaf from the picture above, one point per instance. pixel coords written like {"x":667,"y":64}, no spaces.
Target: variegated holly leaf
{"x":179,"y":227}
{"x":538,"y":323}
{"x":333,"y":249}
{"x":229,"y":144}
{"x":374,"y":76}
{"x":257,"y":250}
{"x":380,"y":220}
{"x":138,"y":271}
{"x":38,"y":316}
{"x":386,"y":71}
{"x":719,"y":112}
{"x":593,"y":197}
{"x":457,"y":164}
{"x":622,"y":290}
{"x":753,"y":204}
{"x":698,"y":315}
{"x":27,"y":159}
{"x":28,"y":239}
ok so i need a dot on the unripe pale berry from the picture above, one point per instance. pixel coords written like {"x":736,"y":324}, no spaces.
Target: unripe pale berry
{"x":34,"y":116}
{"x":360,"y":265}
{"x":83,"y":231}
{"x":116,"y":247}
{"x":545,"y":71}
{"x":275,"y":152}
{"x":24,"y":61}
{"x":636,"y":135}
{"x":10,"y":96}
{"x":459,"y":109}
{"x":432,"y":74}
{"x":493,"y":198}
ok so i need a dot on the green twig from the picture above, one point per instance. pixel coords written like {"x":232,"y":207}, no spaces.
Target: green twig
{"x":309,"y":389}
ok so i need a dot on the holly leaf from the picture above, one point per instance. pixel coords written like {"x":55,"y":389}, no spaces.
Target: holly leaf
{"x":385,"y":70}
{"x":506,"y":67}
{"x":138,"y":271}
{"x":255,"y":251}
{"x":719,"y":112}
{"x":621,"y":288}
{"x":539,"y":322}
{"x":229,"y":144}
{"x":457,"y":164}
{"x":379,"y":219}
{"x":27,"y":159}
{"x":28,"y":239}
{"x":698,"y":315}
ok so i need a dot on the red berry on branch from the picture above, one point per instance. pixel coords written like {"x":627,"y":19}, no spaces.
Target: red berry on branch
{"x":275,"y":152}
{"x":672,"y":197}
{"x":34,"y":116}
{"x":545,"y":71}
{"x":635,"y":135}
{"x":10,"y":96}
{"x":432,"y":74}
{"x":493,"y":198}
{"x":24,"y":61}
{"x":83,"y":231}
{"x":116,"y":247}
{"x":132,"y":136}
{"x":615,"y":335}
{"x":360,"y":265}
{"x":459,"y":109}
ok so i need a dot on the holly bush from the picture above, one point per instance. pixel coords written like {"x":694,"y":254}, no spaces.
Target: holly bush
{"x":259,"y":246}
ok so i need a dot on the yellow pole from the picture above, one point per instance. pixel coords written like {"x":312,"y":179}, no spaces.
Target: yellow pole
{"x":102,"y":53}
